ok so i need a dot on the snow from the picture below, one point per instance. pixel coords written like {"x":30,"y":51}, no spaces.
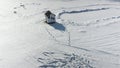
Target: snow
{"x":86,"y":34}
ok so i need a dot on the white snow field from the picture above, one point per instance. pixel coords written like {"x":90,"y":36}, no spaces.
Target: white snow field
{"x":86,"y":35}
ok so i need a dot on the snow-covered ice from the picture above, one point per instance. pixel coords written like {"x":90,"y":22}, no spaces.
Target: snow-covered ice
{"x":86,"y":34}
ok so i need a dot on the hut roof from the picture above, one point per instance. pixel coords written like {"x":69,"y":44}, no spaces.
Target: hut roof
{"x":48,"y":13}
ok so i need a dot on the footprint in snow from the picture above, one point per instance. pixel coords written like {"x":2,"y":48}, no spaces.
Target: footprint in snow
{"x":63,"y":60}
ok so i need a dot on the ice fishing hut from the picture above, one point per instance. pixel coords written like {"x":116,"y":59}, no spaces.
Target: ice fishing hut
{"x":50,"y":17}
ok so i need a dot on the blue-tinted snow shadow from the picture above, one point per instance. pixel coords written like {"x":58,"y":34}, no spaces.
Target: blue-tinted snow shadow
{"x":58,"y":26}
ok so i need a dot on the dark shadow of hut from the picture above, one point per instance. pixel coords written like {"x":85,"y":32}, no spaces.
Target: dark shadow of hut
{"x":58,"y":26}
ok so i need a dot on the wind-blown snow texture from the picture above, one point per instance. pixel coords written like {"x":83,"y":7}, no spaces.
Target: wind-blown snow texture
{"x":86,"y":34}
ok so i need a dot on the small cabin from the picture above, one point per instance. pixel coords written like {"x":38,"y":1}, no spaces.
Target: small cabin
{"x":50,"y":17}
